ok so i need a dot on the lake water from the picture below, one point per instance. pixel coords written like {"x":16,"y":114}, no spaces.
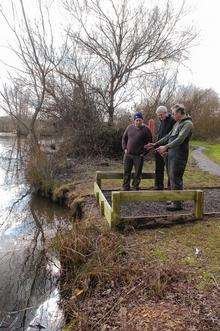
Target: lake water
{"x":29,"y":270}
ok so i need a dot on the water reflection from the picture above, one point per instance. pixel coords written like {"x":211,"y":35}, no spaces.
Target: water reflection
{"x":28,"y":271}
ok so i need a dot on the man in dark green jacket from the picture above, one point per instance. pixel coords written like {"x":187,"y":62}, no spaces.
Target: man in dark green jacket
{"x":175,"y":146}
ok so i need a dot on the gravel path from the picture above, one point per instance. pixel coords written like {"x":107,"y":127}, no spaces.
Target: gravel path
{"x":204,"y":162}
{"x":142,"y":208}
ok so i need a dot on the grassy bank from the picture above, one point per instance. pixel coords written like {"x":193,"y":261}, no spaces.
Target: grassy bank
{"x":161,"y":279}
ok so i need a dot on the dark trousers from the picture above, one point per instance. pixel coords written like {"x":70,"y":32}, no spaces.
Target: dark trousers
{"x":176,"y":168}
{"x":160,"y":164}
{"x":129,"y":161}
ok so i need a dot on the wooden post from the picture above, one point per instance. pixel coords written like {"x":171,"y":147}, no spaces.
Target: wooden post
{"x":115,"y":208}
{"x":199,"y":203}
{"x":96,"y":191}
{"x":102,"y":208}
{"x":98,"y":178}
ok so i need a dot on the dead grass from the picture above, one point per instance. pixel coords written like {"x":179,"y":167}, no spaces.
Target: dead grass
{"x":40,"y":172}
{"x":149,"y":280}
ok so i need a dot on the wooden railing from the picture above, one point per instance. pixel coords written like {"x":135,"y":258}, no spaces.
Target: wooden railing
{"x":112,"y":213}
{"x":100,"y":175}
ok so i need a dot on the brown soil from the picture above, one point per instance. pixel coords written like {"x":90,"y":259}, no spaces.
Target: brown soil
{"x":181,"y":309}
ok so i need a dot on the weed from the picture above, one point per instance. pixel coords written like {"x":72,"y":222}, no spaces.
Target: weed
{"x":160,"y":254}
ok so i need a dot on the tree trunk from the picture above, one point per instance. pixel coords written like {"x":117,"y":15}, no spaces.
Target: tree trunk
{"x":110,"y":115}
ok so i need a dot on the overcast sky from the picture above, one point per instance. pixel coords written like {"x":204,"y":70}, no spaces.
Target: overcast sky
{"x":204,"y":60}
{"x":203,"y":69}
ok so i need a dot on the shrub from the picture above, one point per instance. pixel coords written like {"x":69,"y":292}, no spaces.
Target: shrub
{"x":40,"y":172}
{"x":101,"y":140}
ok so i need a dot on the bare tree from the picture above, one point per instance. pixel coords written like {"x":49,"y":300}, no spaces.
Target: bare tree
{"x":204,"y":107}
{"x":15,"y":101}
{"x":124,"y":41}
{"x":160,"y":89}
{"x":36,"y":55}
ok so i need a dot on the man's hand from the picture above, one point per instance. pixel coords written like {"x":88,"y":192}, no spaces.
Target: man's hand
{"x":125,"y":151}
{"x":162,"y":150}
{"x":149,"y":146}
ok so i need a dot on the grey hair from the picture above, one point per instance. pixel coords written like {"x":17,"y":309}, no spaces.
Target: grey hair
{"x":161,"y":109}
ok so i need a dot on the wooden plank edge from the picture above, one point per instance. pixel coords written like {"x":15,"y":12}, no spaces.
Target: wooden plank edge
{"x":173,"y":217}
{"x":105,"y":207}
{"x":151,"y":188}
{"x":212,"y":214}
{"x":177,"y":195}
{"x":158,"y":221}
{"x":152,"y":217}
{"x":204,"y":188}
{"x":119,"y":175}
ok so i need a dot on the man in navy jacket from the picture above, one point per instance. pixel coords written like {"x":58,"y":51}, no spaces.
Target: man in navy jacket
{"x":135,"y":137}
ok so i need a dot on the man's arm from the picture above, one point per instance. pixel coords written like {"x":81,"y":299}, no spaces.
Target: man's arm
{"x":183,"y":134}
{"x":125,"y":139}
{"x":148,"y":140}
{"x":163,"y":140}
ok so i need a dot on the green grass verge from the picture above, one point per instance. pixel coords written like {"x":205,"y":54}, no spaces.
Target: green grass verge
{"x":198,"y":242}
{"x":214,"y":152}
{"x":212,"y":149}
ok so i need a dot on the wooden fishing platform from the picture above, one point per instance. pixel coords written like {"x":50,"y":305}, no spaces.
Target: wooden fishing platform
{"x":112,"y":212}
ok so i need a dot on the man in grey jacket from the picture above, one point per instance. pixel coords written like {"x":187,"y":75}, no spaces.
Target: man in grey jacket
{"x":166,"y":123}
{"x":175,"y":146}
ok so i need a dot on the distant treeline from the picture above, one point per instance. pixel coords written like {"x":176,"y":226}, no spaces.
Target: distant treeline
{"x":11,"y":125}
{"x":7,"y":124}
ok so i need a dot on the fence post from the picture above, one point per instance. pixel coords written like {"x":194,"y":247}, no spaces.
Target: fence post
{"x":115,"y":208}
{"x":102,"y":208}
{"x":98,"y":179}
{"x":199,"y":203}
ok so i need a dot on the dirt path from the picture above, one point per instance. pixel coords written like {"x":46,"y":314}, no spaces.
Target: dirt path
{"x":204,"y":162}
